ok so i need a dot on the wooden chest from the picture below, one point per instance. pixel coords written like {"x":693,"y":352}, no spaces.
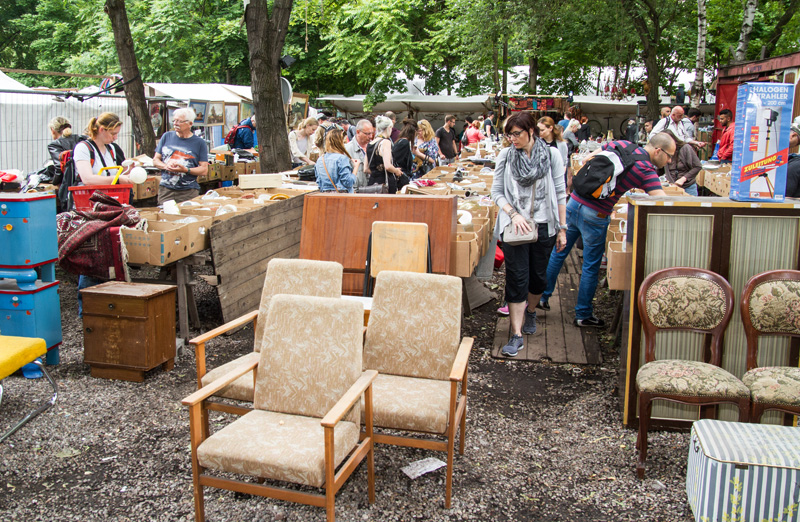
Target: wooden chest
{"x":128,"y":329}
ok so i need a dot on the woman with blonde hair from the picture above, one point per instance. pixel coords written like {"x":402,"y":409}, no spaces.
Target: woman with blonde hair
{"x":380,"y":165}
{"x":63,"y":140}
{"x":551,"y":134}
{"x":100,"y":151}
{"x":427,"y":149}
{"x":334,"y":169}
{"x":299,"y":142}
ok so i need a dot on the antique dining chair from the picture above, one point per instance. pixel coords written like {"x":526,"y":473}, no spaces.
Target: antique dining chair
{"x":695,"y":300}
{"x":306,"y":418}
{"x":771,"y":307}
{"x":396,"y":246}
{"x":16,"y":352}
{"x":413,"y":340}
{"x":284,"y":276}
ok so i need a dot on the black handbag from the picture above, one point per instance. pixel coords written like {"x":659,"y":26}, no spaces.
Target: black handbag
{"x":307,"y":173}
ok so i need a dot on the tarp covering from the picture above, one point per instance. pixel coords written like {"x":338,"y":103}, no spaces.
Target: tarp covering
{"x":202,"y":91}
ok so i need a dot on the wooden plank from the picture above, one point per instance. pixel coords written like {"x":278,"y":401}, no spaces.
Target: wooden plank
{"x":500,"y":335}
{"x":591,"y":345}
{"x":536,"y":344}
{"x":573,"y":340}
{"x":241,"y":240}
{"x":249,"y":267}
{"x":270,"y":210}
{"x":553,"y":325}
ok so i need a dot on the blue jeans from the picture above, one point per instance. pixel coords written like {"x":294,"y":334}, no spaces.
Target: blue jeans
{"x":85,"y":282}
{"x":692,"y":190}
{"x":582,"y":222}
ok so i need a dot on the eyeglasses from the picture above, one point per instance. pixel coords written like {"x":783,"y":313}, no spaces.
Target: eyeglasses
{"x":667,"y":153}
{"x":179,"y":122}
{"x":516,"y":134}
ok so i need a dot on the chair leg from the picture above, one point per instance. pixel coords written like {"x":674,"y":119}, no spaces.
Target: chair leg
{"x":41,"y":408}
{"x":371,"y":472}
{"x":744,"y":410}
{"x":330,"y":499}
{"x":645,"y":408}
{"x":756,"y":411}
{"x":463,"y":440}
{"x":448,"y":490}
{"x":199,"y":503}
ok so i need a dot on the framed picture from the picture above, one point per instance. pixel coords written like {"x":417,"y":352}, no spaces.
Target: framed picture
{"x":158,"y":115}
{"x":200,"y":109}
{"x":231,"y":117}
{"x":215,"y":113}
{"x":298,"y":110}
{"x":246,"y":110}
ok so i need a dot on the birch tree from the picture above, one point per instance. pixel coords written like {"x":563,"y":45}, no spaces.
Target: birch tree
{"x":702,"y":29}
{"x":750,"y":6}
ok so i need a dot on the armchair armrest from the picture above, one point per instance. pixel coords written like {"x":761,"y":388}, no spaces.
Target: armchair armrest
{"x":462,"y":359}
{"x":199,"y":342}
{"x":212,"y":388}
{"x":348,"y":399}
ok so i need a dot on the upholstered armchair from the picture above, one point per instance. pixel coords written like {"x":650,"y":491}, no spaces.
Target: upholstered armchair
{"x":694,"y":300}
{"x":770,"y":306}
{"x":306,"y":418}
{"x":413,"y":340}
{"x":284,"y":276}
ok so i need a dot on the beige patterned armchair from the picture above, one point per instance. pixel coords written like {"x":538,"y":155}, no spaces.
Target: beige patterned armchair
{"x":413,"y":340}
{"x":771,"y":306}
{"x":284,"y":276}
{"x":306,"y":417}
{"x":695,"y":300}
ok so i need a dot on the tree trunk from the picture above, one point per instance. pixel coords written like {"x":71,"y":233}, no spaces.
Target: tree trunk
{"x":143,"y":133}
{"x":777,"y":31}
{"x":533,"y":74}
{"x":496,"y":71}
{"x":505,"y":65}
{"x":650,"y":36}
{"x":265,"y":38}
{"x":700,"y":64}
{"x":740,"y":54}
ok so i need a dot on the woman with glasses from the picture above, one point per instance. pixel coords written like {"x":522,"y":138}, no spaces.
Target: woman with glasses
{"x":182,"y":157}
{"x":529,"y":188}
{"x":683,"y":166}
{"x":300,"y":142}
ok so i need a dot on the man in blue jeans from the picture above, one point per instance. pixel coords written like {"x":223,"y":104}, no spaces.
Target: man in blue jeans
{"x":589,"y":218}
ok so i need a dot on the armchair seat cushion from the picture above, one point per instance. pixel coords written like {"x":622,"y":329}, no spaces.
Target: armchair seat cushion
{"x":410,"y":403}
{"x":774,"y":385}
{"x":242,"y":388}
{"x":277,"y":446}
{"x":689,"y":378}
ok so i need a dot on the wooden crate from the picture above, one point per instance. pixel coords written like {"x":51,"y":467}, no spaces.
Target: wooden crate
{"x":128,"y":329}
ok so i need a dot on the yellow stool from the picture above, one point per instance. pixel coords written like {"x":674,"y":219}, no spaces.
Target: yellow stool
{"x":16,"y":352}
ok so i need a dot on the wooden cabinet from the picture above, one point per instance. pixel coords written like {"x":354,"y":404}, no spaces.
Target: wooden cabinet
{"x":128,"y":329}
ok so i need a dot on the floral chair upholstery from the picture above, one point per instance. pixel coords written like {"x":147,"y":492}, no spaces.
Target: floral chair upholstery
{"x":306,"y":417}
{"x":413,"y":340}
{"x":284,"y":276}
{"x":771,"y":306}
{"x":685,"y":299}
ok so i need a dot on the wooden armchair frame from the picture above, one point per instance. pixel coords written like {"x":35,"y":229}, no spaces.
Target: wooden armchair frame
{"x":198,"y":422}
{"x":757,"y":409}
{"x":707,"y":404}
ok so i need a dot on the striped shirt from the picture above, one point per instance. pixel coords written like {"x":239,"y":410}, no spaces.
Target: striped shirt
{"x":641,"y":175}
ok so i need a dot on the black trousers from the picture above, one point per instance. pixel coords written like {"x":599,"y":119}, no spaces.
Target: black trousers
{"x":526,"y":266}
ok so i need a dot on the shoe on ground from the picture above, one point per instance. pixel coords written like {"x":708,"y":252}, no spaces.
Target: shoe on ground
{"x":503,"y":310}
{"x":590,"y":322}
{"x":512,"y":348}
{"x":544,"y":304}
{"x":529,"y":327}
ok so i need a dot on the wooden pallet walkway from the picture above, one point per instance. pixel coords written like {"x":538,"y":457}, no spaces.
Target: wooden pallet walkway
{"x":556,"y":339}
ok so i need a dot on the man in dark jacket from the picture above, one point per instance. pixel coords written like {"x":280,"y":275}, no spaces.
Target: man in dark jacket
{"x":244,"y":136}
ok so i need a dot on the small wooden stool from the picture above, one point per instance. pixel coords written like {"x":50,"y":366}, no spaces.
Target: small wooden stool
{"x":16,"y":352}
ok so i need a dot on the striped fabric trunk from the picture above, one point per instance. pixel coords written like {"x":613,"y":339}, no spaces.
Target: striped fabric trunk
{"x":743,"y":472}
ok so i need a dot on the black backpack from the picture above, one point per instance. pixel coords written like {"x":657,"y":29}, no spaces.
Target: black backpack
{"x":71,"y":177}
{"x":600,"y":175}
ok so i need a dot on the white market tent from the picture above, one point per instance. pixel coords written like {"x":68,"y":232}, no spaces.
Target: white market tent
{"x":201,"y":91}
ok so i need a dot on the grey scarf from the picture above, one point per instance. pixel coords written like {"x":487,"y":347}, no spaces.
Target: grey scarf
{"x":526,"y":171}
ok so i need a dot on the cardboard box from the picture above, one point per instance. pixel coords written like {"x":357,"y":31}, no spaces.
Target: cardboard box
{"x":204,"y":222}
{"x":674,"y":190}
{"x":227,"y":172}
{"x":761,"y":141}
{"x":464,"y":254}
{"x":618,"y":269}
{"x":164,"y":242}
{"x":247,"y":181}
{"x":148,"y":189}
{"x":214,"y":171}
{"x":485,"y":235}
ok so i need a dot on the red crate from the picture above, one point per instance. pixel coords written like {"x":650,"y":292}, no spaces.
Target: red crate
{"x":82,"y":193}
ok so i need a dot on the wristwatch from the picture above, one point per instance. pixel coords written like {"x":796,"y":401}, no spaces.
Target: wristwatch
{"x":563,"y":227}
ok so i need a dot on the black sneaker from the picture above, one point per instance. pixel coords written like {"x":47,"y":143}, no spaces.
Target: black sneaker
{"x":529,"y":327}
{"x":513,"y":346}
{"x":544,"y":304}
{"x":589,"y":322}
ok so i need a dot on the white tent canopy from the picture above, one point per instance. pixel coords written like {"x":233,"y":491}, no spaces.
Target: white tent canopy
{"x":202,"y":91}
{"x":11,"y":84}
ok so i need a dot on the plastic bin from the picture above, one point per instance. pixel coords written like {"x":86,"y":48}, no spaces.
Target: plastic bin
{"x":81,"y":194}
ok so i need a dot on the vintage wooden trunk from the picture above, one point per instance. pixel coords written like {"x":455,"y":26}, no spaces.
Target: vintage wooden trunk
{"x":128,"y":329}
{"x":739,"y":471}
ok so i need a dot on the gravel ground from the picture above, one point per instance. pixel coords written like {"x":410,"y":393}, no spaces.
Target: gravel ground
{"x":544,"y":443}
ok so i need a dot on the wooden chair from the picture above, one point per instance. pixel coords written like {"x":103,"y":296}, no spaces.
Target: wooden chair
{"x":16,"y":352}
{"x":305,"y":421}
{"x":284,"y":276}
{"x":413,"y":340}
{"x":694,"y":300}
{"x":771,"y":306}
{"x":396,"y":246}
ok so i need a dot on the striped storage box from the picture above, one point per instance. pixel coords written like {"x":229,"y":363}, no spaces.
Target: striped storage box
{"x":743,"y":472}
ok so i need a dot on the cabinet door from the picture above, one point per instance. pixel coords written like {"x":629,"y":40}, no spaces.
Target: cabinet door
{"x":115,"y":341}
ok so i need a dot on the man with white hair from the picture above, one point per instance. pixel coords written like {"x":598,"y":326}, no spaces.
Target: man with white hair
{"x":357,"y":148}
{"x":793,"y":169}
{"x":182,"y":157}
{"x":679,"y":125}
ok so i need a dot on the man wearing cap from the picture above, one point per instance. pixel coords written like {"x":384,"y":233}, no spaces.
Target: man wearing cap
{"x":793,"y":169}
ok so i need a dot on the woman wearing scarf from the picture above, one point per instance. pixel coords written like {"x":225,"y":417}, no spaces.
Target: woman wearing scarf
{"x":528,"y":185}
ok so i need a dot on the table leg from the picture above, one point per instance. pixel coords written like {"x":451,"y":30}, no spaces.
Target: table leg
{"x":183,"y":320}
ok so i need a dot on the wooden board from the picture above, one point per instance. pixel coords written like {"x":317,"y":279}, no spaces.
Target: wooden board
{"x":242,"y":246}
{"x":336,"y":227}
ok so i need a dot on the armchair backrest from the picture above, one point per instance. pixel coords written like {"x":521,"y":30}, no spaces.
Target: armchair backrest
{"x":414,"y":326}
{"x":685,"y":298}
{"x":311,"y":355}
{"x":297,"y":277}
{"x":770,"y":306}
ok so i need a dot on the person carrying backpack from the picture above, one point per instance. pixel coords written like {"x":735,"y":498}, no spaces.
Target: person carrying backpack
{"x":100,"y":151}
{"x":241,"y":136}
{"x":63,"y":140}
{"x":626,"y":166}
